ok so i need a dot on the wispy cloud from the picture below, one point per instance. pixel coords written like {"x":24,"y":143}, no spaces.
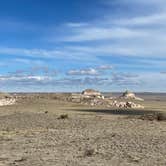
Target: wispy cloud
{"x":90,"y":71}
{"x":21,"y":78}
{"x":116,"y":80}
{"x":163,"y":72}
{"x":153,"y":4}
{"x":29,"y":52}
{"x":148,"y":20}
{"x":125,"y":79}
{"x":101,"y":33}
{"x":35,"y":73}
{"x":105,"y":67}
{"x":138,"y":34}
{"x":56,"y":53}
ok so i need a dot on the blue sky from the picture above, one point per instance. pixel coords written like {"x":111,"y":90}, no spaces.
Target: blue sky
{"x":109,"y":45}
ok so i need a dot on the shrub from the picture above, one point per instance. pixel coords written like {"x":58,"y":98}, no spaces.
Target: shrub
{"x":63,"y":116}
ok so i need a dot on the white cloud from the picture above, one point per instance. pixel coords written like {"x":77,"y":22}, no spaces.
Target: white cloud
{"x":24,"y":78}
{"x":131,"y":34}
{"x":101,"y":33}
{"x":152,"y":19}
{"x":140,"y":36}
{"x":137,"y":36}
{"x":90,"y":71}
{"x":138,"y":81}
{"x":105,"y":67}
{"x":29,"y":52}
{"x":75,"y":25}
{"x":63,"y":53}
{"x":157,"y":4}
{"x":125,"y":79}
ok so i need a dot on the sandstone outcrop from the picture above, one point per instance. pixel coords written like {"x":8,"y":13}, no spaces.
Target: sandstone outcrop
{"x":92,"y":93}
{"x":131,"y":96}
{"x":6,"y":99}
{"x":94,"y":98}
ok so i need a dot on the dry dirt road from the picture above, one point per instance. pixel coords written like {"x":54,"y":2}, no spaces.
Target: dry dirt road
{"x":32,"y":133}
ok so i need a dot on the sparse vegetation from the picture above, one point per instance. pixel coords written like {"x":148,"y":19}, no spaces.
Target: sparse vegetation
{"x":63,"y":116}
{"x":101,"y":135}
{"x":89,"y":152}
{"x":161,"y":116}
{"x":154,"y":116}
{"x":46,"y":112}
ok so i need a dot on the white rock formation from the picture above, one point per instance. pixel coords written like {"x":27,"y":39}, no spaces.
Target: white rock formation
{"x":94,"y":101}
{"x":130,"y":95}
{"x":126,"y":105}
{"x":91,"y":92}
{"x":7,"y":101}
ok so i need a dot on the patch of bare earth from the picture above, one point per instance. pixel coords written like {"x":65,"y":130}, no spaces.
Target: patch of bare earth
{"x":78,"y":140}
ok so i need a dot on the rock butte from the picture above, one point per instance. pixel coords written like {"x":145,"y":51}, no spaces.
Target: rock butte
{"x":92,"y":93}
{"x":130,"y":95}
{"x":95,"y":98}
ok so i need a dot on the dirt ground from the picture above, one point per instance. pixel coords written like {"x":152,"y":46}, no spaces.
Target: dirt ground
{"x":34,"y":133}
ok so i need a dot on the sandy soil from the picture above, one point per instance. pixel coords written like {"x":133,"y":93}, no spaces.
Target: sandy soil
{"x":32,"y":133}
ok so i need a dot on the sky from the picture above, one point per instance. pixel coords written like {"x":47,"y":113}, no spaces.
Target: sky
{"x":70,"y":45}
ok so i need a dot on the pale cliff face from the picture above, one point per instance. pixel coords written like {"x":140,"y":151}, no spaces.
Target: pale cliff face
{"x":130,"y":95}
{"x":92,"y":93}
